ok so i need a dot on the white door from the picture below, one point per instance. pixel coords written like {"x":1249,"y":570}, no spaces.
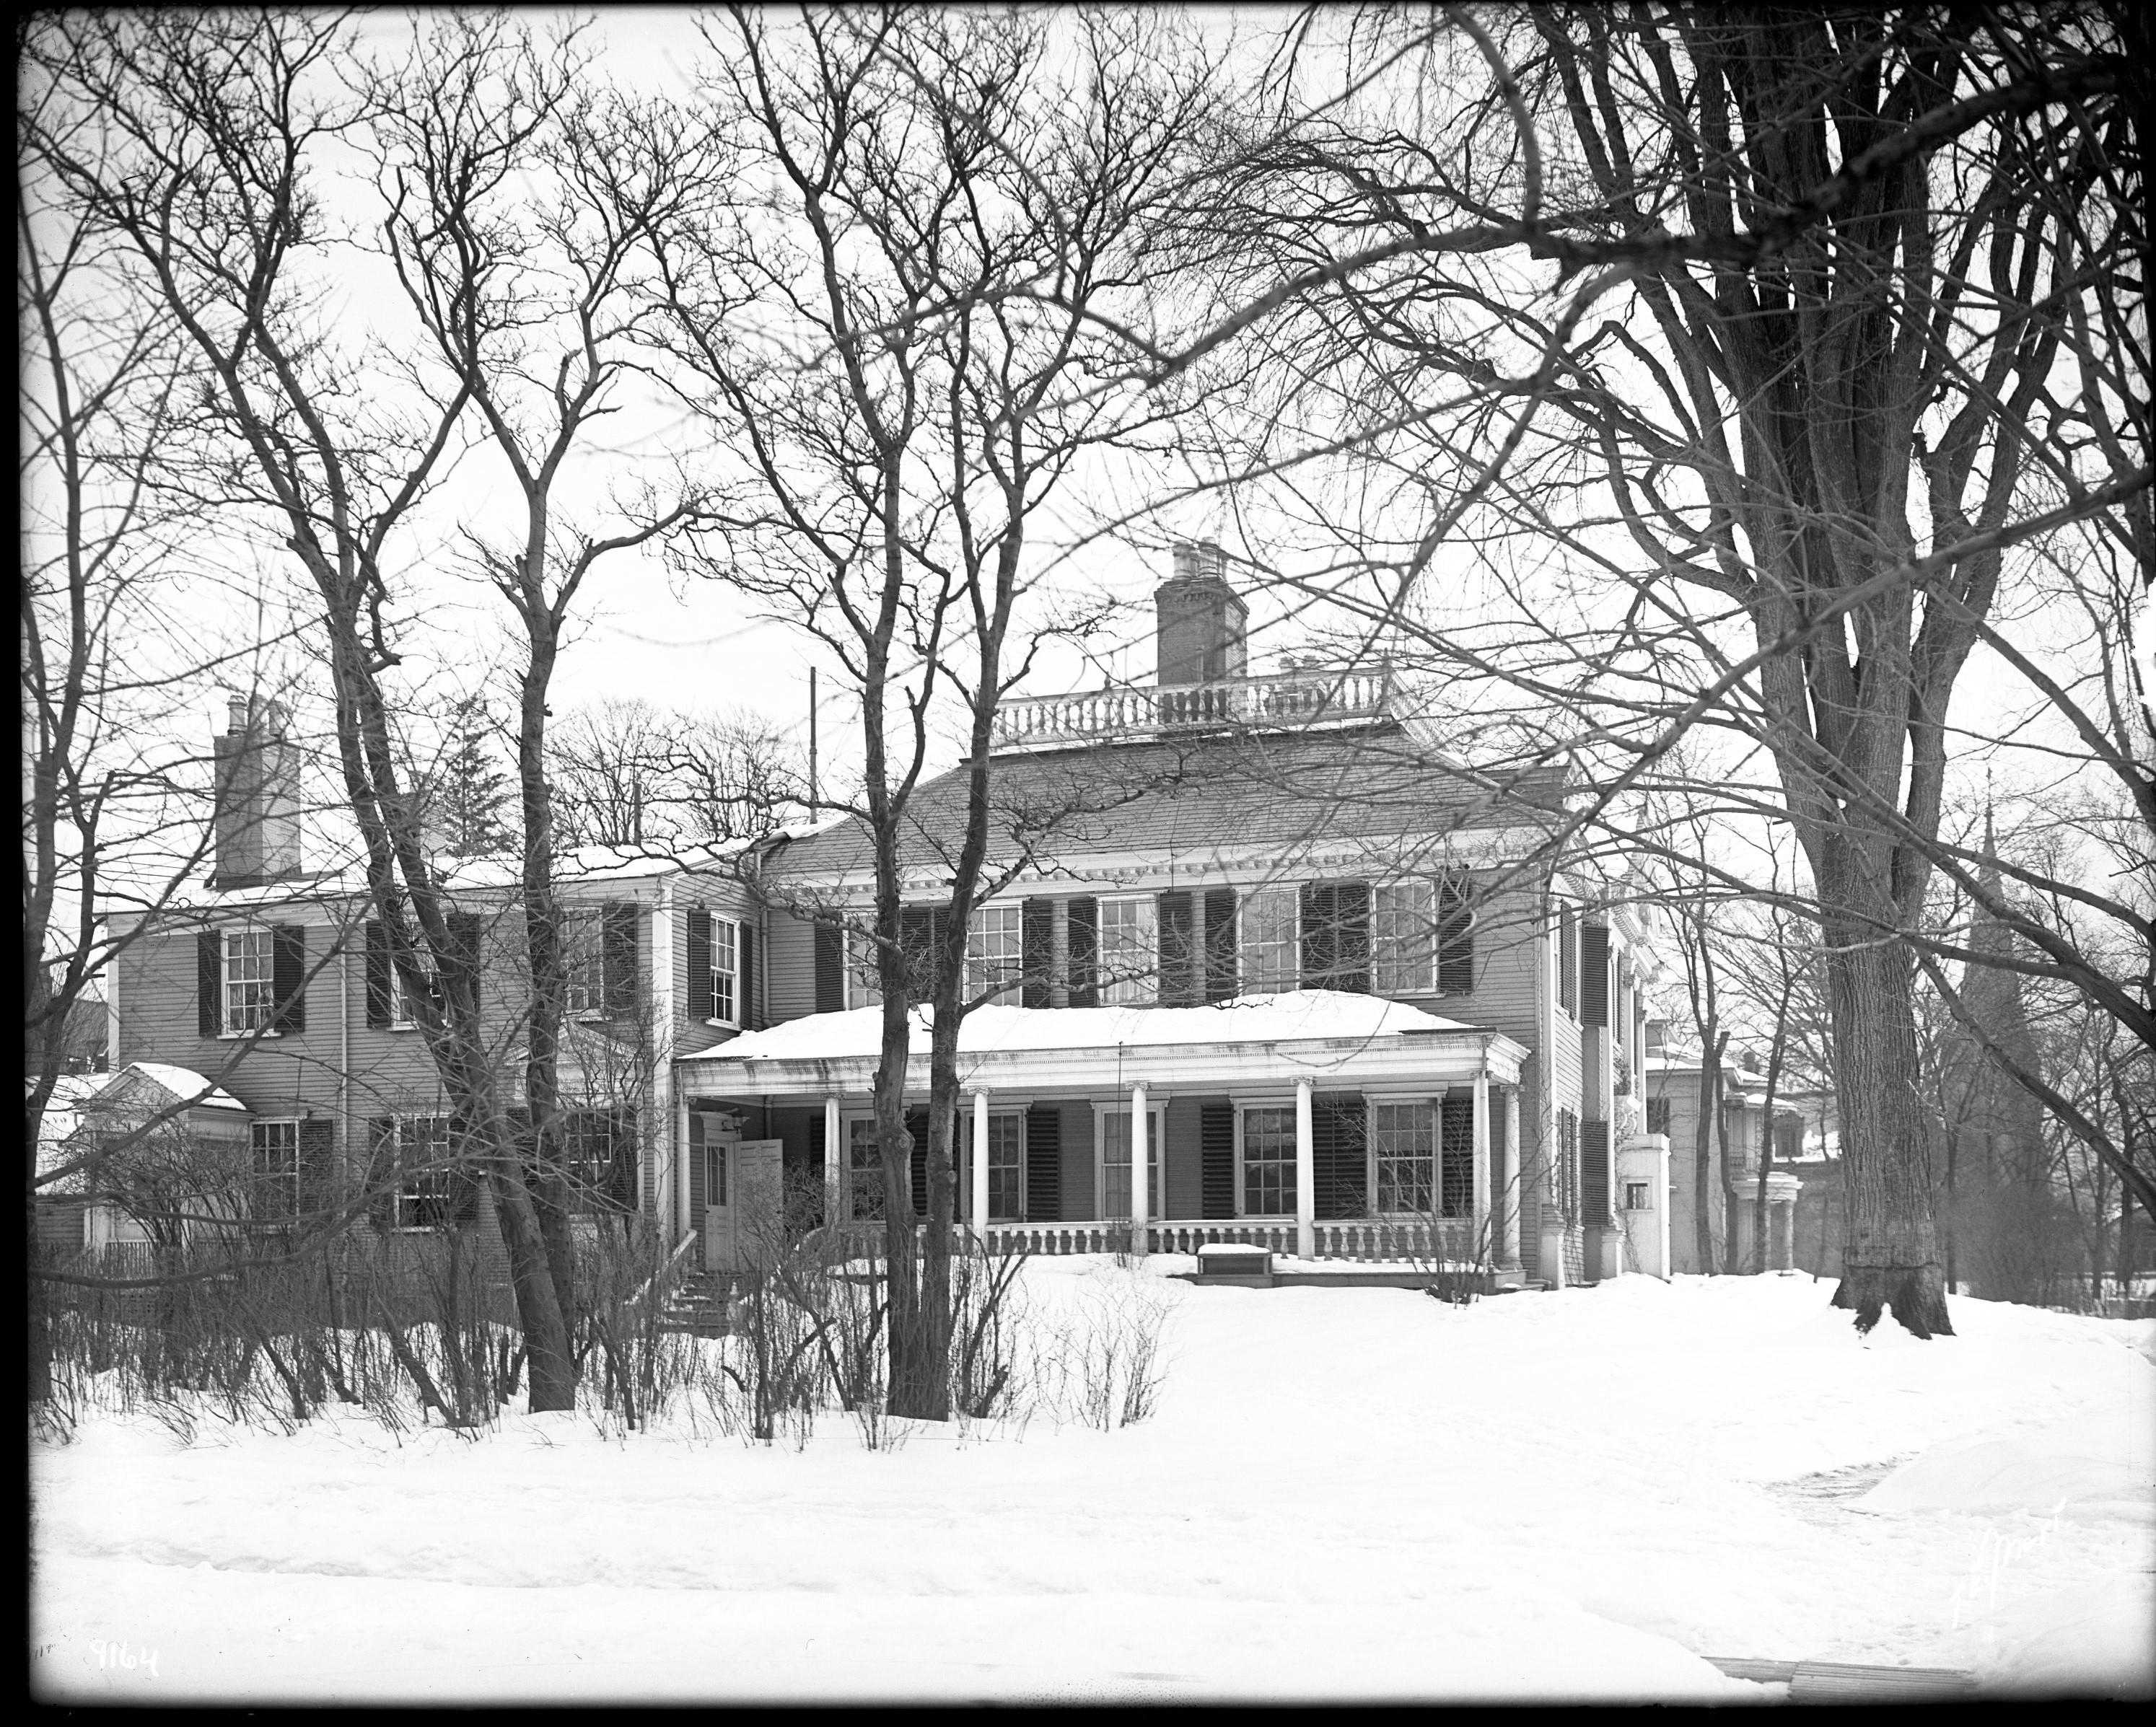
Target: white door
{"x":742,"y":1223}
{"x":718,"y":1164}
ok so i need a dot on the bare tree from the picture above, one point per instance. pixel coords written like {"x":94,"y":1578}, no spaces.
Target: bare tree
{"x":626,"y":773}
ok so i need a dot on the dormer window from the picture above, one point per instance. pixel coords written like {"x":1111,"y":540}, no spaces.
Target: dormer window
{"x":1127,"y":956}
{"x":995,"y":954}
{"x":1270,"y":941}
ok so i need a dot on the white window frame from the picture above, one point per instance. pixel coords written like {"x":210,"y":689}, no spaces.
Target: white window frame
{"x":241,"y":952}
{"x":1404,"y":918}
{"x":1376,"y":1154}
{"x":858,"y":960}
{"x":1156,"y":1124}
{"x":286,"y":1154}
{"x":995,"y":951}
{"x":1638,"y":1197}
{"x":583,"y":960}
{"x":409,"y":1130}
{"x":1247,"y":945}
{"x":400,"y":1003}
{"x":725,"y":981}
{"x":1243,"y":1109}
{"x":858,"y":1131}
{"x":1116,"y":953}
{"x":1016,"y":1213}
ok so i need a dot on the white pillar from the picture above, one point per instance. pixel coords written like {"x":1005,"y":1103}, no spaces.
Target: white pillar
{"x":1305,"y":1175}
{"x":1508,"y":1251}
{"x":980,"y":1172}
{"x":681,"y":1166}
{"x":1482,"y":1242}
{"x":1141,"y":1153}
{"x":836,"y":1175}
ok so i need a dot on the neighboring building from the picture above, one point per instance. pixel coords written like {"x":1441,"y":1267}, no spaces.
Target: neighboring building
{"x":1265,"y":967}
{"x":1673,"y":1109}
{"x":172,"y":1152}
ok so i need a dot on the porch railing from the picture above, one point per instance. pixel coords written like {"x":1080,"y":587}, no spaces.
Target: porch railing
{"x":1286,"y":698}
{"x":1368,"y":1239}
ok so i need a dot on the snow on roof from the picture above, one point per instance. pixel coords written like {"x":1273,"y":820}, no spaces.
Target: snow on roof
{"x":1295,"y":1015}
{"x":181,"y":1083}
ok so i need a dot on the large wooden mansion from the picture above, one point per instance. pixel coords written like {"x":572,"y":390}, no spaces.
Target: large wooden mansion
{"x":1269,"y":967}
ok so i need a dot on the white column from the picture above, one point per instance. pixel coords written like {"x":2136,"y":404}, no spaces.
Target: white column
{"x":1480,"y":1142}
{"x":1508,"y":1251}
{"x":1305,"y":1175}
{"x":1140,"y":1152}
{"x":681,"y":1166}
{"x":835,"y":1172}
{"x":981,"y":1166}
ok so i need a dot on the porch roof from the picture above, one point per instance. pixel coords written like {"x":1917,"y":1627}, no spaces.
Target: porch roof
{"x":1329,"y":1035}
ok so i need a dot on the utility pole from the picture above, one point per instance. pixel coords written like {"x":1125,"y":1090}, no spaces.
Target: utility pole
{"x":812,"y":743}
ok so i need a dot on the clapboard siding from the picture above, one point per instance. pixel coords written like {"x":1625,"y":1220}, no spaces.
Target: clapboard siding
{"x":723,"y":898}
{"x":1506,"y":943}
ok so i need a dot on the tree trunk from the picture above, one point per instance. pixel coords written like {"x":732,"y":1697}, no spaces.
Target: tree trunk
{"x":1890,"y":1255}
{"x":554,"y":1370}
{"x":1702,"y":1145}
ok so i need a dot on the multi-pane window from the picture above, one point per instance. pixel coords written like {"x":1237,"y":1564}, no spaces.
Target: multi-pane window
{"x":1116,"y":1164}
{"x":275,"y":1151}
{"x":1635,"y":1197}
{"x":400,"y":998}
{"x":1127,"y":961}
{"x":995,"y":953}
{"x":1270,"y":943}
{"x":422,"y":1172}
{"x":584,"y":958}
{"x":864,"y":1165}
{"x":250,"y":991}
{"x":1403,"y":938}
{"x":1006,"y":1167}
{"x":1658,"y":1114}
{"x":1268,"y":1162}
{"x":726,"y":969}
{"x":864,"y":985}
{"x":592,"y":1142}
{"x":1403,"y":1151}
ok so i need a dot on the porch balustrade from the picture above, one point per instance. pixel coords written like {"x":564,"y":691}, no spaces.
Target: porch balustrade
{"x":1364,"y":1239}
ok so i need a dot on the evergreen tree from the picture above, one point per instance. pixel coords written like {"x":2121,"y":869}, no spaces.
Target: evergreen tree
{"x":470,"y":791}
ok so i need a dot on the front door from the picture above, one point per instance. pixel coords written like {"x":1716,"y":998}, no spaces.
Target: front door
{"x":742,"y":1224}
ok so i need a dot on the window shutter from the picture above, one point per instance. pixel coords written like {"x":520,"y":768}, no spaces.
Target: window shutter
{"x":1456,"y":1157}
{"x":377,"y":975}
{"x":622,"y":1165}
{"x":819,"y":1157}
{"x":1456,"y":938}
{"x":703,"y":999}
{"x":916,"y":1124}
{"x":464,"y":1178}
{"x":1037,"y":950}
{"x":383,"y":1174}
{"x":1220,"y":960}
{"x":1216,"y":1151}
{"x":288,"y":976}
{"x":1595,"y":974}
{"x":916,"y":938}
{"x":209,"y":982}
{"x":1350,"y":940}
{"x":1316,"y":922}
{"x":317,"y":1165}
{"x":830,"y":968}
{"x":460,"y":963}
{"x":1176,"y":918}
{"x":1337,"y":1154}
{"x":1083,"y":921}
{"x":747,"y":1010}
{"x":1595,"y":1172}
{"x":1044,"y":1164}
{"x":620,"y":938}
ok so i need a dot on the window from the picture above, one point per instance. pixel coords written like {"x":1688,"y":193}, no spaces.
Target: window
{"x":422,"y":1172}
{"x":1116,"y":1163}
{"x":1127,"y":960}
{"x":1006,"y":1165}
{"x":1403,"y":938}
{"x":1658,"y":1114}
{"x":593,"y":1142}
{"x":275,"y":1148}
{"x":726,"y":969}
{"x":864,"y":987}
{"x":584,"y":957}
{"x":250,"y":988}
{"x":1270,"y":942}
{"x":1404,"y":1150}
{"x":401,"y":1016}
{"x":1267,"y":1164}
{"x":1635,"y":1197}
{"x":714,"y":1175}
{"x":864,"y":1161}
{"x":995,"y":954}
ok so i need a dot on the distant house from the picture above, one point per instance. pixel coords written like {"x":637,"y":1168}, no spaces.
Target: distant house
{"x":153,"y":1154}
{"x":1269,"y":966}
{"x":1674,"y":1071}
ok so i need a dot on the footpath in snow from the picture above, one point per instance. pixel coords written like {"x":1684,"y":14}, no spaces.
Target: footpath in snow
{"x":1352,"y":1493}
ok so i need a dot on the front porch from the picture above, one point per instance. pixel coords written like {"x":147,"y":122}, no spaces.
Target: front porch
{"x":1322,"y":1125}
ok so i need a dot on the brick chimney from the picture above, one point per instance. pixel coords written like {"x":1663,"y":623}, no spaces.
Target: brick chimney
{"x":1199,"y":620}
{"x":257,"y":796}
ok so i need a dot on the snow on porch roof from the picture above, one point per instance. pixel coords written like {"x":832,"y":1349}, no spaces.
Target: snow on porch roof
{"x":1295,"y":1016}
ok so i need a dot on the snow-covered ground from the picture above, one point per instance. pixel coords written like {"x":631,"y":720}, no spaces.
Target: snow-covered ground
{"x":1345,"y":1493}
